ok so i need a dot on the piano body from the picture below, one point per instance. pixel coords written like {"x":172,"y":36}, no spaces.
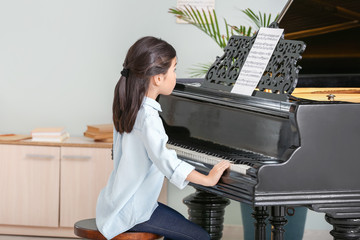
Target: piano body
{"x":285,"y":151}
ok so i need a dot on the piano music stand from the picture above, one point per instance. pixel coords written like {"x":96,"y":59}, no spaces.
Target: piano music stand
{"x":279,"y":78}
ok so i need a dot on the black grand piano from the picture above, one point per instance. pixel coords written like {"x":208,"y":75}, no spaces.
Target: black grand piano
{"x":285,"y":151}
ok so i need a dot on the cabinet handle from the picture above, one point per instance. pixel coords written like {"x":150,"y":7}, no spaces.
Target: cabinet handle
{"x":76,"y":157}
{"x":39,"y":156}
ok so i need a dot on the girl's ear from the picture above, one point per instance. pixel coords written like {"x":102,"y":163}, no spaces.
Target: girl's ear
{"x":157,"y":79}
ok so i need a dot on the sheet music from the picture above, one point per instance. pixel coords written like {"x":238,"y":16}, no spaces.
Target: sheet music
{"x":257,"y":60}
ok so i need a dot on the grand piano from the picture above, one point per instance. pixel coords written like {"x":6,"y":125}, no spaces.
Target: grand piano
{"x":286,"y":151}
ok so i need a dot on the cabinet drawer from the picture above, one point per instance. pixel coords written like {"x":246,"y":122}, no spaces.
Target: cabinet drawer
{"x":84,"y":172}
{"x":29,"y":185}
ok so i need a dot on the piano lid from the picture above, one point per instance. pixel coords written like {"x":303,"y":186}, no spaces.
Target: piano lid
{"x":331,"y":31}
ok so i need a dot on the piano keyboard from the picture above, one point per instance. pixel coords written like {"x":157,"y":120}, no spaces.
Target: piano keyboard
{"x":205,"y":158}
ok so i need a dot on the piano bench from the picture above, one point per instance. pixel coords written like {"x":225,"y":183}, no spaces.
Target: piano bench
{"x":87,"y":229}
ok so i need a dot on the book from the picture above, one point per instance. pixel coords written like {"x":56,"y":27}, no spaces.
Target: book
{"x":49,"y":134}
{"x":98,"y":136}
{"x":50,"y":138}
{"x":54,"y":131}
{"x":100,"y":132}
{"x":13,"y":137}
{"x":100,"y":128}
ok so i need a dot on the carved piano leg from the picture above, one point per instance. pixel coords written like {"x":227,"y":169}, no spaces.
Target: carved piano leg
{"x":260,"y":214}
{"x":278,"y":221}
{"x":344,"y":228}
{"x":207,"y":210}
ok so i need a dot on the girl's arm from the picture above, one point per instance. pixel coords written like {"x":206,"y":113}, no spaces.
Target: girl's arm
{"x":212,"y":178}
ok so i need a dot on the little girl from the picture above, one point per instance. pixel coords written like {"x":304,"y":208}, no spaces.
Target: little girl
{"x":141,"y":159}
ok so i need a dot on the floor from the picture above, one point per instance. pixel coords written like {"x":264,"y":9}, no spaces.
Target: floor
{"x":231,"y":232}
{"x":312,"y":235}
{"x":8,"y":237}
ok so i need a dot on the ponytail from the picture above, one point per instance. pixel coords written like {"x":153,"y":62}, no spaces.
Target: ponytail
{"x":148,"y":57}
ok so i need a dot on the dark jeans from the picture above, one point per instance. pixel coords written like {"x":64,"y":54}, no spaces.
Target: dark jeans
{"x":172,"y":225}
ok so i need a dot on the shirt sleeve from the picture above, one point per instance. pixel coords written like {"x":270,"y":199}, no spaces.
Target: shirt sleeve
{"x":155,"y":139}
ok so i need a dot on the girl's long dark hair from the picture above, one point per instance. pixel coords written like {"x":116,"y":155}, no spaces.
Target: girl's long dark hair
{"x":148,"y":56}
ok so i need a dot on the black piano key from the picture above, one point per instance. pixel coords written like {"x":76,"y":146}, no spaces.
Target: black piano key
{"x":235,"y":156}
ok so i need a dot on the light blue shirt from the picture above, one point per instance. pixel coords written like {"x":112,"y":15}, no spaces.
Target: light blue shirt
{"x":141,"y":160}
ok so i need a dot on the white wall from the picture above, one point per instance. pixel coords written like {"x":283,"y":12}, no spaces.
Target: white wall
{"x":60,"y":60}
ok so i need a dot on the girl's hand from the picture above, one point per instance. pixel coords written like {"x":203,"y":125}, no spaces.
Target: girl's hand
{"x":212,"y":178}
{"x":216,"y":172}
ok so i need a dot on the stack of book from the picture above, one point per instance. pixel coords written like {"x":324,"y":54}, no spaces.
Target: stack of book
{"x":100,"y":132}
{"x":56,"y":134}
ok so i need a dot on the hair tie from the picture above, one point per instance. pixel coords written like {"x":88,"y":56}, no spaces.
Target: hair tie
{"x":125,"y":72}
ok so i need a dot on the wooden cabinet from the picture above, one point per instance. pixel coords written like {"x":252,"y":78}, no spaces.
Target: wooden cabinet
{"x":29,"y":185}
{"x":46,"y":187}
{"x":84,"y":172}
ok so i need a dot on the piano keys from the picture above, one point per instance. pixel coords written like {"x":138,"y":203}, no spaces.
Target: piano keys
{"x":203,"y":158}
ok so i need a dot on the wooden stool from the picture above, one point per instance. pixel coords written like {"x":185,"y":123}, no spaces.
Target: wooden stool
{"x":87,"y":229}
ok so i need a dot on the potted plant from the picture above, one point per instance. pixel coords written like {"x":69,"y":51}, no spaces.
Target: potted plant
{"x":207,"y":22}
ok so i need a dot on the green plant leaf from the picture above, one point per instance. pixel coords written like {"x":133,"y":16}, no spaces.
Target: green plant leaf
{"x":204,"y":26}
{"x":199,"y":70}
{"x":227,"y":32}
{"x":207,"y":22}
{"x":221,"y":42}
{"x":253,"y":17}
{"x":213,"y":28}
{"x":248,"y":32}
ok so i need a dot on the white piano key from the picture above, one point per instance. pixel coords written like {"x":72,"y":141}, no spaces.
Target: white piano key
{"x":205,"y":158}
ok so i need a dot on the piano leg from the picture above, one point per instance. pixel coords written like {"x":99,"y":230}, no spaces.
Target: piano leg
{"x":344,"y":228}
{"x":260,"y":214}
{"x":207,"y":210}
{"x":278,"y":221}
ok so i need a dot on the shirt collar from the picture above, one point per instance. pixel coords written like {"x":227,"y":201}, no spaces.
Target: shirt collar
{"x":152,"y":103}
